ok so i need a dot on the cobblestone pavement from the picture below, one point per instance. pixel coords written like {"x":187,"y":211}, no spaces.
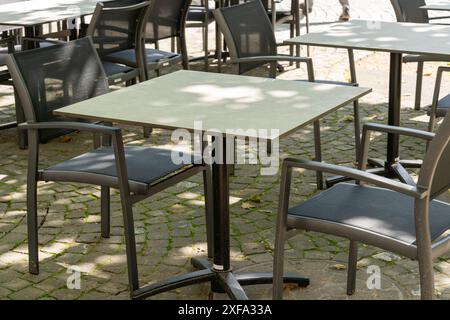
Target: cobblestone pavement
{"x":170,"y":227}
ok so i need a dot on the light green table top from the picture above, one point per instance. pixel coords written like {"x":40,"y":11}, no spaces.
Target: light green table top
{"x":438,"y":7}
{"x":37,"y":12}
{"x":408,"y":38}
{"x":222,"y":102}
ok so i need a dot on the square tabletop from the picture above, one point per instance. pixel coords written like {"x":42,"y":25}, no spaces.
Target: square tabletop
{"x":37,"y":12}
{"x":396,"y":37}
{"x":221,"y":102}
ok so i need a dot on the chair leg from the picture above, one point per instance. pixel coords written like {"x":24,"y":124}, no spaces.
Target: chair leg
{"x":278,"y":263}
{"x":291,"y":47}
{"x":32,"y":223}
{"x":426,"y":279}
{"x":209,"y":210}
{"x":352,"y":267}
{"x":419,"y":81}
{"x":280,"y":234}
{"x":357,"y":120}
{"x":318,"y":153}
{"x":147,"y":132}
{"x":424,"y":251}
{"x":105,"y":212}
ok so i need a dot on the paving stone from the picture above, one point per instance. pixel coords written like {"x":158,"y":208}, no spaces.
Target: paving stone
{"x":170,"y":226}
{"x":29,"y":293}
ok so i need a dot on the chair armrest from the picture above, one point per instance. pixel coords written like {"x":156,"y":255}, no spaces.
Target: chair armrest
{"x":307,"y":61}
{"x":358,"y":175}
{"x":80,"y":126}
{"x":398,"y":130}
{"x":271,"y":59}
{"x":371,"y":127}
{"x":425,"y":58}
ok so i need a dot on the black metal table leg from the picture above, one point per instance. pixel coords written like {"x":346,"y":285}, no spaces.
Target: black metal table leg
{"x":393,"y":167}
{"x":218,"y":271}
{"x":395,"y":91}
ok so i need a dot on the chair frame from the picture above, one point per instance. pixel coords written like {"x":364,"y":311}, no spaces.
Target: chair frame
{"x":121,"y":182}
{"x":424,"y":251}
{"x":181,"y":44}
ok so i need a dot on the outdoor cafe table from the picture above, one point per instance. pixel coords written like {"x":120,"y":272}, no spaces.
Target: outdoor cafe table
{"x":223,"y":102}
{"x":397,"y":39}
{"x":34,"y":13}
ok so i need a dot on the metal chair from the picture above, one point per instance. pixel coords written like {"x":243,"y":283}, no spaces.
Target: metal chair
{"x":439,"y":106}
{"x":409,"y":11}
{"x":201,"y":16}
{"x":66,"y":74}
{"x":249,"y":36}
{"x":116,"y":27}
{"x":165,"y":20}
{"x":394,"y":216}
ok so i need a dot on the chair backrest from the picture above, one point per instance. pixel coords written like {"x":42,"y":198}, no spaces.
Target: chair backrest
{"x":117,"y":25}
{"x":409,"y":11}
{"x":435,"y":172}
{"x":53,"y":77}
{"x":248,"y":32}
{"x":166,"y":19}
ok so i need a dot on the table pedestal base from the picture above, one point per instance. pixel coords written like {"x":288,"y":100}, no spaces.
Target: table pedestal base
{"x":221,"y":281}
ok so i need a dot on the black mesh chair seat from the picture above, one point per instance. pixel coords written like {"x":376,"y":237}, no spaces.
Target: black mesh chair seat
{"x":128,"y":57}
{"x":114,"y":68}
{"x":145,"y":166}
{"x":198,"y":14}
{"x":118,"y":73}
{"x":380,"y":211}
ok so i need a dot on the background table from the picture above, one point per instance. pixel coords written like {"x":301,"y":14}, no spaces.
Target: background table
{"x":223,"y":102}
{"x":397,"y":39}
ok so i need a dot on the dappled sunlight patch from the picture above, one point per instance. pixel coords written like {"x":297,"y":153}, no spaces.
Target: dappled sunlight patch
{"x":12,"y":258}
{"x":197,"y":249}
{"x":422,"y":118}
{"x":196,"y":203}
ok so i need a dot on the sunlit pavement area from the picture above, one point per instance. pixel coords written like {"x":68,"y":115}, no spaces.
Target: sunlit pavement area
{"x":170,"y":227}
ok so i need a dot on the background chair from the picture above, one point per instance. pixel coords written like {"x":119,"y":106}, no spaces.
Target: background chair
{"x":116,"y":28}
{"x":290,"y":17}
{"x":409,"y":11}
{"x":394,"y":216}
{"x":71,"y":73}
{"x":200,"y":16}
{"x":165,"y":20}
{"x":249,"y":36}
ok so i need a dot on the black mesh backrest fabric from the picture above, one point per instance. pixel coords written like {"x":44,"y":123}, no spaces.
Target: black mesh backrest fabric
{"x":115,"y":30}
{"x":435,"y":172}
{"x":166,"y":19}
{"x":251,"y":31}
{"x":411,"y":12}
{"x":59,"y":76}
